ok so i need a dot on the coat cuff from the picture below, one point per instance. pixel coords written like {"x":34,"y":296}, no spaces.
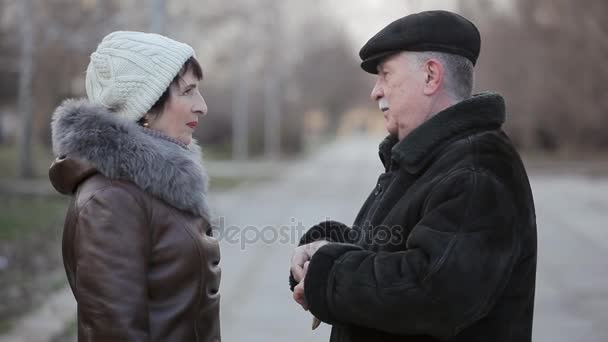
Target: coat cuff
{"x":319,"y":278}
{"x":332,"y":231}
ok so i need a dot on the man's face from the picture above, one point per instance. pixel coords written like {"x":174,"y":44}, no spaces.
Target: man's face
{"x":399,"y":93}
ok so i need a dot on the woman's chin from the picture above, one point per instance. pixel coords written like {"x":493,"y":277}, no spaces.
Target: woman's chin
{"x":186,"y":140}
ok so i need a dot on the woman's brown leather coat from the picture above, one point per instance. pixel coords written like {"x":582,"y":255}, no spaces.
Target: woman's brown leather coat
{"x":142,"y":264}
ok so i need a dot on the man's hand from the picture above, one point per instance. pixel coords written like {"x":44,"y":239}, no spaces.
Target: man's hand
{"x":301,"y":255}
{"x":300,"y":298}
{"x":299,"y":268}
{"x":298,"y":291}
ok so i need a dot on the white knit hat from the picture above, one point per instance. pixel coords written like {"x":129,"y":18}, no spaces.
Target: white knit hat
{"x":129,"y":71}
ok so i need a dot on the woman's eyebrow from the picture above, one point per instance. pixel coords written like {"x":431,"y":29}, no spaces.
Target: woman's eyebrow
{"x":189,"y":86}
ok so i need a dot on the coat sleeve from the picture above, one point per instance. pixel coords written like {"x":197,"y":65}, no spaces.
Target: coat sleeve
{"x":327,"y":230}
{"x":458,"y":259}
{"x":112,"y":251}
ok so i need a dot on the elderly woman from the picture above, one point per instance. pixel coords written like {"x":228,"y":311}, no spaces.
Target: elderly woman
{"x":137,"y":244}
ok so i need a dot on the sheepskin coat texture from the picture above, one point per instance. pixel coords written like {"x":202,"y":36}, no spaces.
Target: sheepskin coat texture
{"x":444,"y":247}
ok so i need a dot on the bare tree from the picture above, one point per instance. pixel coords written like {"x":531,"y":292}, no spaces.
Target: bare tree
{"x":262,"y":72}
{"x":548,"y":58}
{"x":241,"y":106}
{"x":25,"y":96}
{"x":272,"y":104}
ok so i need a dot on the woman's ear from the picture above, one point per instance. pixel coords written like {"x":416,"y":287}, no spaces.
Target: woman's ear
{"x":145,"y":121}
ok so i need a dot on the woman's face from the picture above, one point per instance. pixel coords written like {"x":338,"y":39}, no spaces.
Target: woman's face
{"x":182,"y":111}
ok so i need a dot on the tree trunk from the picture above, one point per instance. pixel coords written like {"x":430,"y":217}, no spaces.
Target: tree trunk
{"x":272,"y":103}
{"x":25,"y":95}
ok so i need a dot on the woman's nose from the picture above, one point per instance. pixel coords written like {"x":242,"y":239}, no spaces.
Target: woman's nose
{"x":200,"y":107}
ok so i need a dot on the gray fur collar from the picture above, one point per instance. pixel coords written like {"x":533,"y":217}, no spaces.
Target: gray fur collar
{"x":120,"y":149}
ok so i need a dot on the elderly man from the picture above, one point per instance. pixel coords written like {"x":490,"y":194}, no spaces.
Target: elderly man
{"x":444,"y":248}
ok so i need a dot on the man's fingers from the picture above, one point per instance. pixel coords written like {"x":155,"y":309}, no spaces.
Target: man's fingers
{"x":297,"y":272}
{"x":313,"y":247}
{"x":305,"y":269}
{"x":297,"y":263}
{"x":299,"y":297}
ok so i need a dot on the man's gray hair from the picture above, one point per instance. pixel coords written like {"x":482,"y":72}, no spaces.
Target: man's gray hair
{"x":458,"y":72}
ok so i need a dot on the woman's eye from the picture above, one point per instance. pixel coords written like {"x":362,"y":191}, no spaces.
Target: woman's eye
{"x":188,"y":92}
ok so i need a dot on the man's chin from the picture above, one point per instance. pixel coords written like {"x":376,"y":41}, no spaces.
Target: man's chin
{"x":391,"y":130}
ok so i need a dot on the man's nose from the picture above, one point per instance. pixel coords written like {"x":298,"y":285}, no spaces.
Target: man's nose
{"x":377,"y":92}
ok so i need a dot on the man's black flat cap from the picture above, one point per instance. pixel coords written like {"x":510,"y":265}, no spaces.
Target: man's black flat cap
{"x":441,"y":31}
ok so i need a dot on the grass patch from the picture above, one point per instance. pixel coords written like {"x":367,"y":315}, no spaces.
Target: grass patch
{"x":5,"y":326}
{"x":59,"y":282}
{"x":223,"y":183}
{"x":219,"y":183}
{"x":217,"y":152}
{"x":20,"y":216}
{"x":68,"y":334}
{"x":9,"y":160}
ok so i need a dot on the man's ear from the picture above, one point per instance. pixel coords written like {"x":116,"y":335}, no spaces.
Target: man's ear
{"x":434,"y":76}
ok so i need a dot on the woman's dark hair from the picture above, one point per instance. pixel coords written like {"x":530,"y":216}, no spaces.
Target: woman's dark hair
{"x":190,"y":64}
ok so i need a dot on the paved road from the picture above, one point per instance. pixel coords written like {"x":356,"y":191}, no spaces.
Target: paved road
{"x":572,"y":211}
{"x":572,"y":276}
{"x":572,"y":215}
{"x":256,"y":301}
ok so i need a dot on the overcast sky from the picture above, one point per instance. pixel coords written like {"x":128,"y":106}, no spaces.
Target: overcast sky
{"x":363,"y":18}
